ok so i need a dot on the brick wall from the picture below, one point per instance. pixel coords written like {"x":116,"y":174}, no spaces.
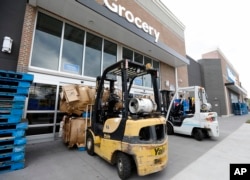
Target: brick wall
{"x":26,"y":41}
{"x":167,"y":74}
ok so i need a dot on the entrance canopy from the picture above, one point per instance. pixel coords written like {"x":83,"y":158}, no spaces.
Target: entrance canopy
{"x":234,"y":87}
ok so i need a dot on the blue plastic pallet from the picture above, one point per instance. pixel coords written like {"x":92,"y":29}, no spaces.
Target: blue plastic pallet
{"x":18,"y":126}
{"x":11,"y":111}
{"x":11,"y":167}
{"x":12,"y":149}
{"x":12,"y":101}
{"x":16,"y":75}
{"x":9,"y":119}
{"x":8,"y":158}
{"x":11,"y":98}
{"x":7,"y":141}
{"x":7,"y":82}
{"x":12,"y":105}
{"x":81,"y":148}
{"x":16,"y":90}
{"x":13,"y":133}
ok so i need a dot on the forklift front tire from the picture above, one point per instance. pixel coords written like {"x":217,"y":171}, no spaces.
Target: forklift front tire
{"x":124,"y":165}
{"x":90,"y":144}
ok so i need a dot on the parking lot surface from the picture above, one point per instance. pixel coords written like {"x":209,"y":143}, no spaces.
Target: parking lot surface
{"x":188,"y":158}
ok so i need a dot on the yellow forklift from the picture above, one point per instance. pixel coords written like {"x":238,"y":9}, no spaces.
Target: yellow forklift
{"x":128,"y":130}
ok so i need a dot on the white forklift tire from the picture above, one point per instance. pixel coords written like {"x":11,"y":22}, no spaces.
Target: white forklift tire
{"x":198,"y":134}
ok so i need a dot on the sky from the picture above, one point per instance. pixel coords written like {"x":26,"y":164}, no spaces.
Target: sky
{"x":212,"y":24}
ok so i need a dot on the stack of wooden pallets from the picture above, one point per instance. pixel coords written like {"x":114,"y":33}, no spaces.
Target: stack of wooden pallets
{"x":14,"y":89}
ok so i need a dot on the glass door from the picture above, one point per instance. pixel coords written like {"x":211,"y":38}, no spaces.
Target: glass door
{"x":41,"y":111}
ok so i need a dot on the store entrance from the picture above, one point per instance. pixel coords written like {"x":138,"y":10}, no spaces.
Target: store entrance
{"x":234,"y":99}
{"x":42,"y":112}
{"x":42,"y":109}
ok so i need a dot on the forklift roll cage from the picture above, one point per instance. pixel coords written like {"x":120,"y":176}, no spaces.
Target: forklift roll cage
{"x":128,"y":71}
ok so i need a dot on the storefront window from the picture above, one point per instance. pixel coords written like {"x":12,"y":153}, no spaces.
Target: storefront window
{"x":109,"y":54}
{"x":147,"y":60}
{"x":42,"y":97}
{"x":48,"y":46}
{"x":138,"y":58}
{"x":72,"y":50}
{"x":127,"y":54}
{"x":47,"y":42}
{"x":144,"y":81}
{"x":156,"y":65}
{"x":93,"y":54}
{"x":147,"y":78}
{"x":40,"y":118}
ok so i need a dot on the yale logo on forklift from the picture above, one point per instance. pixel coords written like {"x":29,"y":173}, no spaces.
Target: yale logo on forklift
{"x":158,"y":150}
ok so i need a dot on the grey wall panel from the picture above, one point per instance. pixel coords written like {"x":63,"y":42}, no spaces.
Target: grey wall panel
{"x":11,"y":24}
{"x":213,"y":82}
{"x":194,"y":73}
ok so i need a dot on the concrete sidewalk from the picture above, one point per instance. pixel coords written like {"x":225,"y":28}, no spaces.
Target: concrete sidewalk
{"x":215,"y":163}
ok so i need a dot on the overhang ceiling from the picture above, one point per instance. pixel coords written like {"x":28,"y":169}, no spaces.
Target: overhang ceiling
{"x":234,"y":87}
{"x":82,"y":15}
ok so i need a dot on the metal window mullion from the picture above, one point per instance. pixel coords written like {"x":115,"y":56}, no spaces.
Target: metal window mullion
{"x":61,"y":47}
{"x":102,"y":52}
{"x":143,"y":77}
{"x":84,"y":50}
{"x":133,"y":56}
{"x":40,"y":125}
{"x":56,"y":105}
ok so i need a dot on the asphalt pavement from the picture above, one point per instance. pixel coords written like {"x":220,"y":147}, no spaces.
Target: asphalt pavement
{"x":210,"y":159}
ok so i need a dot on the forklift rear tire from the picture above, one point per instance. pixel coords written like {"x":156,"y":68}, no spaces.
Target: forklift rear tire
{"x":198,"y":134}
{"x":124,"y":165}
{"x":170,"y":129}
{"x":90,"y":144}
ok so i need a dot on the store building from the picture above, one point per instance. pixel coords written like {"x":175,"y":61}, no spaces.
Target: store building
{"x":220,"y":79}
{"x":71,"y":42}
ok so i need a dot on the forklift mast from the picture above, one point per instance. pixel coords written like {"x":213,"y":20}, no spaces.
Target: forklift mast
{"x":165,"y":98}
{"x":128,"y":71}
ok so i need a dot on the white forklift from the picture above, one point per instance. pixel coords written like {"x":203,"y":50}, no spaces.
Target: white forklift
{"x":188,"y":112}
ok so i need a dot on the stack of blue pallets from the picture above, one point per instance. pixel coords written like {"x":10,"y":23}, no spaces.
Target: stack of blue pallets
{"x":14,"y":88}
{"x":240,"y":108}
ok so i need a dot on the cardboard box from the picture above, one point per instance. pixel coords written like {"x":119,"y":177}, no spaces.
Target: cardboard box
{"x":74,"y":131}
{"x":65,"y":107}
{"x":118,"y":106}
{"x":77,"y":111}
{"x":105,"y":95}
{"x":70,"y":93}
{"x":83,"y":101}
{"x":92,"y":92}
{"x":72,"y":108}
{"x":83,"y":94}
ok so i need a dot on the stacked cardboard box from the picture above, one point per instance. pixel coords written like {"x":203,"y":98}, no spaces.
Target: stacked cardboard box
{"x":76,"y":101}
{"x":75,"y":131}
{"x":14,"y":88}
